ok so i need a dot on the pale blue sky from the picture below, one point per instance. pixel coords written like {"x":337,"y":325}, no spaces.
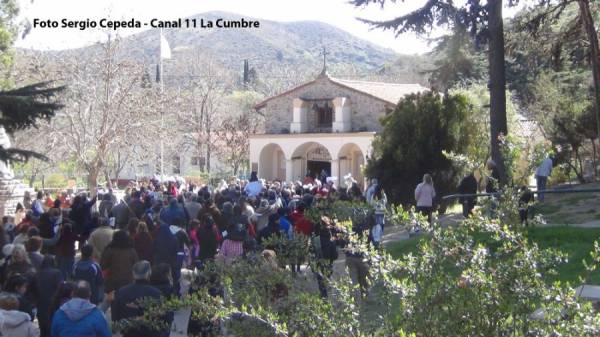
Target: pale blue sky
{"x":335,"y":12}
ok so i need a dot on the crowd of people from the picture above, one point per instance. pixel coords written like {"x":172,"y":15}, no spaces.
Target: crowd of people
{"x":66,"y":260}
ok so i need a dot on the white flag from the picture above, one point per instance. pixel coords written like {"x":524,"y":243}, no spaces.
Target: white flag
{"x":165,"y":50}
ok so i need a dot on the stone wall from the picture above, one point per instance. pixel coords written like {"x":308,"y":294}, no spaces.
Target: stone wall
{"x":366,"y":110}
{"x":12,"y":192}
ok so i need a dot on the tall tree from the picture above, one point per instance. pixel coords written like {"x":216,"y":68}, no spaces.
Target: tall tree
{"x":484,"y":22}
{"x":580,"y":23}
{"x":23,"y":107}
{"x":234,"y":132}
{"x":201,"y":102}
{"x":456,"y":61}
{"x":106,"y":108}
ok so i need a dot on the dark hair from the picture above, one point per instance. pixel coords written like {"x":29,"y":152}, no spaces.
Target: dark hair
{"x":273,"y":220}
{"x":33,"y":244}
{"x":132,"y":225}
{"x":40,"y":194}
{"x":378,"y":192}
{"x":63,"y":293}
{"x":14,"y":282}
{"x":161,"y":274}
{"x":33,"y":231}
{"x":237,"y":209}
{"x":3,"y":236}
{"x":48,"y":262}
{"x":207,"y":220}
{"x":19,"y":206}
{"x":283,"y":211}
{"x":86,"y":251}
{"x":82,"y":290}
{"x":76,"y":201}
{"x":121,"y":240}
{"x":67,"y":227}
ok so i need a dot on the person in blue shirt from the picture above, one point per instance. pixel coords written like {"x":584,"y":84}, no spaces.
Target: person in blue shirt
{"x":173,"y":213}
{"x":285,"y":225}
{"x":88,"y":270}
{"x":79,"y":317}
{"x":38,"y":205}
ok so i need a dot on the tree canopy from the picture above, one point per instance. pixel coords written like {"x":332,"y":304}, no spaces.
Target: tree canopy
{"x":484,"y":22}
{"x":413,"y":139}
{"x":21,"y":108}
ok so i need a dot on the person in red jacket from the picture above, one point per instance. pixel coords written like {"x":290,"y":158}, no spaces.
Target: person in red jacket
{"x":65,"y":249}
{"x":301,"y":224}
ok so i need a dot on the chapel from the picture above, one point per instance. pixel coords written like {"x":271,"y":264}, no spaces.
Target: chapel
{"x":327,"y":124}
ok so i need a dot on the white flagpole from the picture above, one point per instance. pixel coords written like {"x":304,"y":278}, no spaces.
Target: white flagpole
{"x":162,"y":114}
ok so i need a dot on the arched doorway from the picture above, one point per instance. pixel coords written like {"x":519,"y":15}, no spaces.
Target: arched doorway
{"x":312,"y":158}
{"x":351,"y":160}
{"x":271,"y":165}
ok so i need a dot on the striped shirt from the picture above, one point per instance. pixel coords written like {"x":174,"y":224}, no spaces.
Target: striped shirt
{"x":231,"y":248}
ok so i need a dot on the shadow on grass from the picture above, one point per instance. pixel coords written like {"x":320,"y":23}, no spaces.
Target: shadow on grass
{"x":575,"y":242}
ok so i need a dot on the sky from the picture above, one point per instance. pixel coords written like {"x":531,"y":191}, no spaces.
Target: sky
{"x":335,"y":12}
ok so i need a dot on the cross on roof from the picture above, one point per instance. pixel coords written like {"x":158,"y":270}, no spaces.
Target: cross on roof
{"x":325,"y":53}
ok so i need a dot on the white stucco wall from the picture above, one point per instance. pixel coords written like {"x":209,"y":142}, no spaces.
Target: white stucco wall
{"x":294,"y":145}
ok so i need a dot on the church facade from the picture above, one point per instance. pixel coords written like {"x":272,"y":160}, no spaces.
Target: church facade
{"x":327,"y":124}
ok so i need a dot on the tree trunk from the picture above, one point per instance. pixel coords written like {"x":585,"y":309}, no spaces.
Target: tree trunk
{"x":208,"y":151}
{"x":236,"y":168}
{"x":92,"y":180}
{"x":577,"y":159}
{"x":497,"y":85}
{"x":588,"y":22}
{"x":107,"y":177}
{"x":594,"y":158}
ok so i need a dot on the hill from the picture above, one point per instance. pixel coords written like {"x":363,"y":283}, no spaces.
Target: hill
{"x":276,"y":49}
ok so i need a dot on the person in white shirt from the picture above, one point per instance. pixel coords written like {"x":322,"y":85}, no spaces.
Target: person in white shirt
{"x":424,"y":194}
{"x":541,"y":176}
{"x":254,"y":187}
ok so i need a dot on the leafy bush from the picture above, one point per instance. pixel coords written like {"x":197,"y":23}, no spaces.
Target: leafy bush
{"x":482,"y":278}
{"x":412,"y":142}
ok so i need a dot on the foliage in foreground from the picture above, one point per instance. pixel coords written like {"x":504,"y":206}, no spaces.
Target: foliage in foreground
{"x":455,"y":285}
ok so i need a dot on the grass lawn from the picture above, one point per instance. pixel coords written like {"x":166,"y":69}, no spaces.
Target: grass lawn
{"x":576,"y":242}
{"x":571,"y":208}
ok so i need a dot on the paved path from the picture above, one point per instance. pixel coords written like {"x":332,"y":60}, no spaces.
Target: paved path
{"x":305,"y":279}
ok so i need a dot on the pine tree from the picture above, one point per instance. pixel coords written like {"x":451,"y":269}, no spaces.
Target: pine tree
{"x":22,"y":108}
{"x":483,"y":20}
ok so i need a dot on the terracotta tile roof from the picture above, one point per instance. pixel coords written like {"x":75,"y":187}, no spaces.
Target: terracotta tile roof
{"x":389,"y":92}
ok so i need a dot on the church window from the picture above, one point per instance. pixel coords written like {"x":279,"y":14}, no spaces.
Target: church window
{"x":324,"y":113}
